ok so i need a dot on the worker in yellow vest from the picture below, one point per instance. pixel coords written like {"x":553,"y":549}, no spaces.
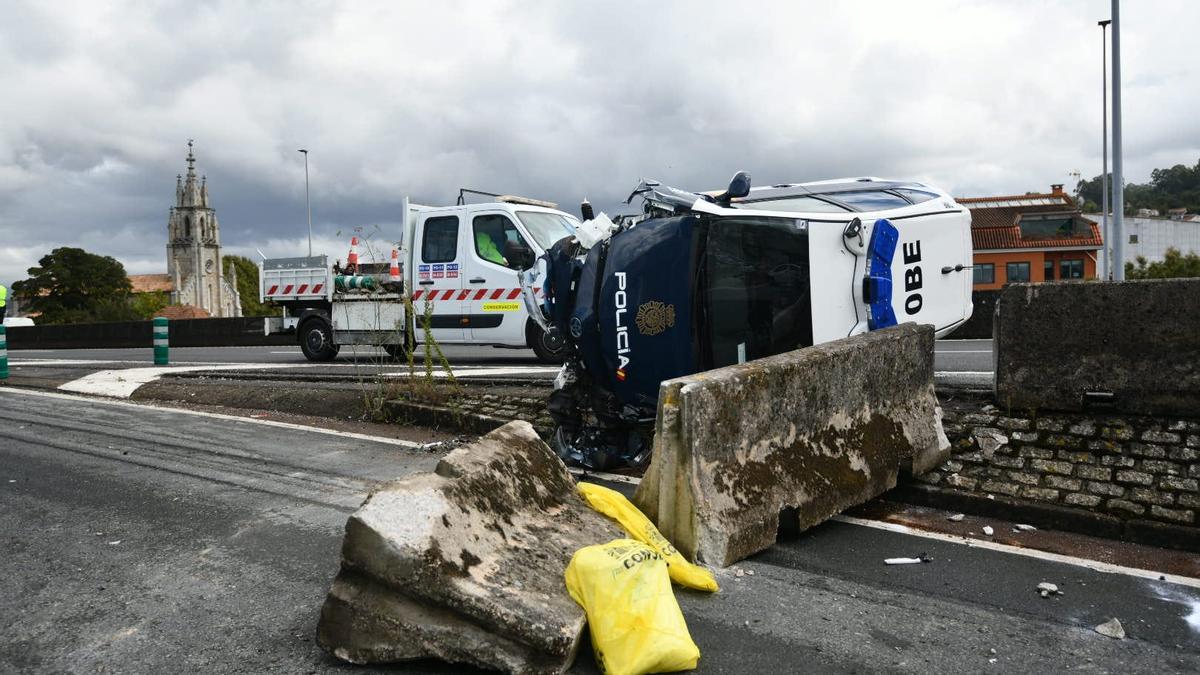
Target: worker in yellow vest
{"x":3,"y":302}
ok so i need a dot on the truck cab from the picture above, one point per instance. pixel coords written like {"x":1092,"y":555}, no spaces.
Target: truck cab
{"x":454,"y":265}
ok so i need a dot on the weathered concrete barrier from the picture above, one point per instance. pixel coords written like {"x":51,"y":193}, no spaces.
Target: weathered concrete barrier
{"x":1129,"y":347}
{"x":812,"y":432}
{"x":466,"y":564}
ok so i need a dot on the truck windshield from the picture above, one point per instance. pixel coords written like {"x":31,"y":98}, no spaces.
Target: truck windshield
{"x":547,"y":228}
{"x":756,"y":283}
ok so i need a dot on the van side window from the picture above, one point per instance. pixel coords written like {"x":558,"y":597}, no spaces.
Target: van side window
{"x":490,"y":233}
{"x":440,"y":241}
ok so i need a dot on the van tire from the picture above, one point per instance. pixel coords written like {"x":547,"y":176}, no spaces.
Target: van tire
{"x":550,"y":348}
{"x":396,"y":352}
{"x":316,"y":339}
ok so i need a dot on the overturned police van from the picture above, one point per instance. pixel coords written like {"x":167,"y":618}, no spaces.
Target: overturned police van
{"x":705,"y":280}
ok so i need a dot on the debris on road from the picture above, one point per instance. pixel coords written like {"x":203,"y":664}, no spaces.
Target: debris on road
{"x":957,"y":518}
{"x":1046,"y":589}
{"x":987,"y":529}
{"x":923,"y":558}
{"x":1022,"y":527}
{"x":466,"y":564}
{"x":1111,"y":628}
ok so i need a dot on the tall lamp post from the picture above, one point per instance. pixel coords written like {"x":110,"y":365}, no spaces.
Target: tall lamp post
{"x":1118,"y":173}
{"x":1106,"y":273}
{"x":307,"y":205}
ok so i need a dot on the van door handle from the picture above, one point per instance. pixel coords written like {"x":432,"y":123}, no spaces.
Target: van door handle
{"x":479,"y":280}
{"x":426,"y":282}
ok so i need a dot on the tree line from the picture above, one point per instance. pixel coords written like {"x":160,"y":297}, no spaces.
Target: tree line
{"x":1173,"y":188}
{"x":71,"y":285}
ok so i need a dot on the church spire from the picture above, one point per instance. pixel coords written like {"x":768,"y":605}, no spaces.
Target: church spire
{"x":191,"y":190}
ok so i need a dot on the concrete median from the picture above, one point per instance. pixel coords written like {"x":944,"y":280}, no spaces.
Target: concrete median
{"x":804,"y":434}
{"x":1127,"y":347}
{"x":466,"y":564}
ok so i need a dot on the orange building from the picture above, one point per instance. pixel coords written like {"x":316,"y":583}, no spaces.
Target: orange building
{"x":1031,"y":237}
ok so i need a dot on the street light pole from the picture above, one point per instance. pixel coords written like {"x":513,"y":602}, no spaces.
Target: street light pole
{"x":1106,"y":273}
{"x":1118,"y":173}
{"x":307,"y":205}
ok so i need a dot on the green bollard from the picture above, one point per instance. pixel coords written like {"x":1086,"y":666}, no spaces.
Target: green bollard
{"x":160,"y":340}
{"x":3,"y":354}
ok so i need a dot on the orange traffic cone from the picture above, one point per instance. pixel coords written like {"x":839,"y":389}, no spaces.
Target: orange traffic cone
{"x":352,"y":258}
{"x":394,"y":269}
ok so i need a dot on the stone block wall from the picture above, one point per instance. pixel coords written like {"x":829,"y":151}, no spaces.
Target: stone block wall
{"x":1124,"y":467}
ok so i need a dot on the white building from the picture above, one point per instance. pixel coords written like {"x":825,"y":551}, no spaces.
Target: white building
{"x":1151,"y":237}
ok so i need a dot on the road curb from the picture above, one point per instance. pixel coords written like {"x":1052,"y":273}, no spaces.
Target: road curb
{"x":1050,"y":516}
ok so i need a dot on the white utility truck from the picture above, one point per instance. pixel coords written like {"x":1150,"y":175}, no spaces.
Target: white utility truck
{"x":454,"y":257}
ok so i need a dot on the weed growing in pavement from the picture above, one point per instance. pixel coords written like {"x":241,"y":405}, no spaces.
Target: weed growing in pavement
{"x":419,"y":387}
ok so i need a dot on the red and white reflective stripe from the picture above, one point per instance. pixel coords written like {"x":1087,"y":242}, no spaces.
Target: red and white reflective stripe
{"x":480,"y":293}
{"x":496,"y":294}
{"x":303,"y":287}
{"x":273,"y":289}
{"x":514,"y":293}
{"x":287,"y":290}
{"x":464,"y":293}
{"x":317,"y":288}
{"x":417,"y":294}
{"x":468,"y":294}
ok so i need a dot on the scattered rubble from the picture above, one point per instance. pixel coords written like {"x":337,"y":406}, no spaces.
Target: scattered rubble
{"x":1046,"y":589}
{"x":923,"y":558}
{"x":1022,"y":527}
{"x":957,"y":517}
{"x":1111,"y":628}
{"x":466,"y":564}
{"x":987,"y":529}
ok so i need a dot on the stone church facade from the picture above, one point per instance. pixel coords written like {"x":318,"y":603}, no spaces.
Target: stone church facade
{"x":194,"y":263}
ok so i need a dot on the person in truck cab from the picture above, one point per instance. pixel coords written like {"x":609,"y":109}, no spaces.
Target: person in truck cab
{"x":487,"y":249}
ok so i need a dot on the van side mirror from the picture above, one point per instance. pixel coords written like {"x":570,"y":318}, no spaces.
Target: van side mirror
{"x":739,"y":186}
{"x":518,"y":255}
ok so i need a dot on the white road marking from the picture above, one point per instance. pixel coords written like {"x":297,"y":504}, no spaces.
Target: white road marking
{"x":234,"y":418}
{"x":122,"y":383}
{"x":963,"y":351}
{"x":1094,"y":565}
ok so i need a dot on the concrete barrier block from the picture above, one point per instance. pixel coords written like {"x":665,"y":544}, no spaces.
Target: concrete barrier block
{"x":809,"y":433}
{"x":1130,"y":347}
{"x":466,"y":564}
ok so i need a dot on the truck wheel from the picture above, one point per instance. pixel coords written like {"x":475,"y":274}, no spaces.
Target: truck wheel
{"x":549,"y":347}
{"x":316,"y":340}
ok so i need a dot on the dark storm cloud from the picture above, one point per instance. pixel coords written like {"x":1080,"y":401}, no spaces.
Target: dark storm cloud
{"x":551,"y":99}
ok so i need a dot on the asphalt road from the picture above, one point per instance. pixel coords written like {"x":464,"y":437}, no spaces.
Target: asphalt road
{"x":955,"y":360}
{"x":146,"y":540}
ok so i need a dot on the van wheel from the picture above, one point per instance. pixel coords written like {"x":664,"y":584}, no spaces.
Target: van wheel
{"x":549,"y":347}
{"x":316,"y":340}
{"x":397,"y":352}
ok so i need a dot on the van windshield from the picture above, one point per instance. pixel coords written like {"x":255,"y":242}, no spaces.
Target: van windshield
{"x":757,"y":298}
{"x":547,"y":228}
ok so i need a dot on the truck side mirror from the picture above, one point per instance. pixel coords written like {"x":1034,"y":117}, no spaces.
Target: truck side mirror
{"x":518,"y":255}
{"x":739,"y":186}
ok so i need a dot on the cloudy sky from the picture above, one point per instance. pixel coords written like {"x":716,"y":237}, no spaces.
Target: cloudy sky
{"x":555,"y":99}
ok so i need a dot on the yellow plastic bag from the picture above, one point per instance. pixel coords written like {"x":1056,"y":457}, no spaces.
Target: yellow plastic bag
{"x":634,"y":620}
{"x":614,"y":505}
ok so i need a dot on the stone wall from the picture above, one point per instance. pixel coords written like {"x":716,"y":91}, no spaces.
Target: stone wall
{"x":1133,"y":346}
{"x":1126,"y":471}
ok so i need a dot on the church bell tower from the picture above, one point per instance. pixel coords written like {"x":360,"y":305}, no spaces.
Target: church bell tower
{"x":194,"y":248}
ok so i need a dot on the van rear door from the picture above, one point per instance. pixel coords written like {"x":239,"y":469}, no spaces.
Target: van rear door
{"x":926,"y":286}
